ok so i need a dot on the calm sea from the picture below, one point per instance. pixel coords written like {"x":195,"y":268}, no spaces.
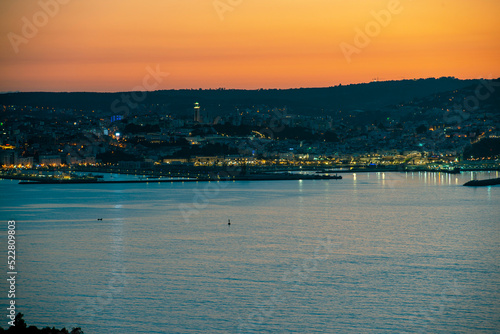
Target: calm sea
{"x":371,"y":253}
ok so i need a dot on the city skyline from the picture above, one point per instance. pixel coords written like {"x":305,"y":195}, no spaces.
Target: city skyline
{"x":57,"y":45}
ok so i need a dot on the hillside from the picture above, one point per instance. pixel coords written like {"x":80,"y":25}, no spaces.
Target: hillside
{"x":309,"y":101}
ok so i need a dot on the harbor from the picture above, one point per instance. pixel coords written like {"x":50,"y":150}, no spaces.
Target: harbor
{"x":25,"y":180}
{"x":205,"y":174}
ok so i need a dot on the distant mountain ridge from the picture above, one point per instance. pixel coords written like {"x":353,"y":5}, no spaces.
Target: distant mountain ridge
{"x":309,"y":101}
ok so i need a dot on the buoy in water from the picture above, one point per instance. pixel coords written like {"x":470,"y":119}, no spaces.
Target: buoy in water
{"x":229,"y":221}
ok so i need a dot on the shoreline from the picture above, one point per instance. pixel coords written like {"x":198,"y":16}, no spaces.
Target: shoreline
{"x":256,"y":177}
{"x":206,"y":177}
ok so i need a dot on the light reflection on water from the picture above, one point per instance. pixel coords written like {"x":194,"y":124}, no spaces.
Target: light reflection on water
{"x":379,"y":252}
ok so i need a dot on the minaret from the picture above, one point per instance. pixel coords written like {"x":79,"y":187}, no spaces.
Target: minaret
{"x":197,"y":116}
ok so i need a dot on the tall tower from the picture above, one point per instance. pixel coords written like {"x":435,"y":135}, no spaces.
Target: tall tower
{"x":197,"y":116}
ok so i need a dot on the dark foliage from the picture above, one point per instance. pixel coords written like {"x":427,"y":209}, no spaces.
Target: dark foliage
{"x":233,"y":130}
{"x":280,"y":133}
{"x":421,"y":129}
{"x":330,"y":136}
{"x":206,"y":150}
{"x":117,"y":156}
{"x":485,"y":148}
{"x":20,"y":327}
{"x":180,"y":142}
{"x":203,"y":131}
{"x":134,"y":128}
{"x":297,"y":133}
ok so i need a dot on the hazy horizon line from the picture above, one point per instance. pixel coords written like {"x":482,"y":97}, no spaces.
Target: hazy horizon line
{"x":254,"y":89}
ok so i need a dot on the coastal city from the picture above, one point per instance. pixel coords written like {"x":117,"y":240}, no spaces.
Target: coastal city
{"x":233,"y":166}
{"x":424,"y":134}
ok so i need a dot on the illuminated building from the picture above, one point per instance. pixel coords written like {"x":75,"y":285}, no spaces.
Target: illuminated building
{"x":197,"y":115}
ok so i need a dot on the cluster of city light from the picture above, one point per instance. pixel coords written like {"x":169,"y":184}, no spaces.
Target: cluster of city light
{"x":16,"y":166}
{"x":43,"y":165}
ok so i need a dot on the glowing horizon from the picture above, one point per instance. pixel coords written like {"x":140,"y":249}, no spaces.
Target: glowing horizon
{"x":109,"y":46}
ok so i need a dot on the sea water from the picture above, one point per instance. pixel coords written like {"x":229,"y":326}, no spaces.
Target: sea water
{"x":371,"y":253}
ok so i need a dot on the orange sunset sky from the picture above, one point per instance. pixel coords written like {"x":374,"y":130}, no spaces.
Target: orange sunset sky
{"x":107,"y":45}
